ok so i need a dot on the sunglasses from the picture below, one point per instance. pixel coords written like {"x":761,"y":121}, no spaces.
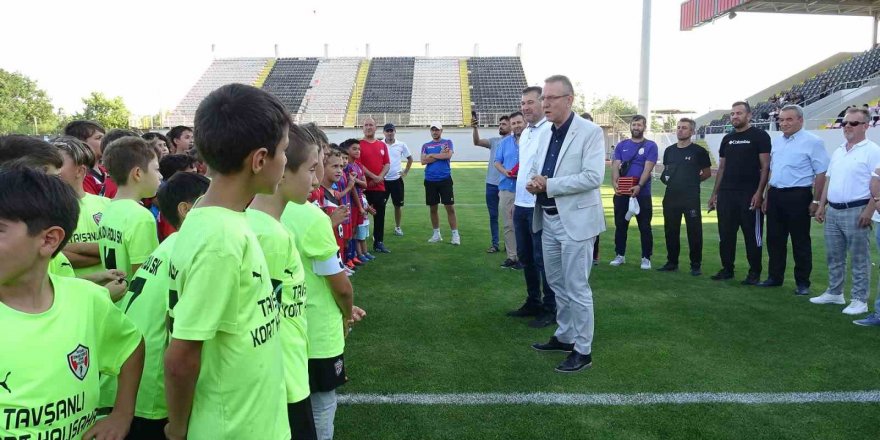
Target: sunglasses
{"x":852,"y":123}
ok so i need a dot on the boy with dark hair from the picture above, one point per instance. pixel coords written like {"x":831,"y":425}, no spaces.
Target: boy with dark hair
{"x":330,"y":309}
{"x":127,"y":230}
{"x":223,"y":367}
{"x":287,"y":274}
{"x":176,"y":163}
{"x":180,"y":139}
{"x":360,"y":221}
{"x":91,"y":133}
{"x":159,"y":140}
{"x":151,"y":294}
{"x":328,"y":199}
{"x":66,"y":330}
{"x":345,"y":188}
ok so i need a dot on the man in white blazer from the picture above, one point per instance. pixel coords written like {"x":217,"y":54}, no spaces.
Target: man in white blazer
{"x":565,"y":176}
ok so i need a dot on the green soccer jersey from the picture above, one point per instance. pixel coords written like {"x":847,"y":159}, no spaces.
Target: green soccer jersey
{"x":146,"y":305}
{"x":60,"y":265}
{"x":224,"y":298}
{"x":313,"y":235}
{"x":286,"y":271}
{"x":91,"y":207}
{"x":126,"y":235}
{"x":49,"y":369}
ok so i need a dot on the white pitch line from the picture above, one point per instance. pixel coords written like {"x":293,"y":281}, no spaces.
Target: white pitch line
{"x":868,"y":396}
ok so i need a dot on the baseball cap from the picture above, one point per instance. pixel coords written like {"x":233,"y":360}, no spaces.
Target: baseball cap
{"x":388,"y":127}
{"x":437,"y":125}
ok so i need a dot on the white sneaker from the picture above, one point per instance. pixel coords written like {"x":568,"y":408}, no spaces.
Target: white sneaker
{"x":398,"y":232}
{"x":827,"y":298}
{"x":618,"y":260}
{"x":435,"y":238}
{"x":646,"y":264}
{"x":456,"y":239}
{"x":856,"y":307}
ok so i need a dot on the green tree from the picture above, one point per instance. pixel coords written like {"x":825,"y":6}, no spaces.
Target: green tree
{"x":615,"y":106}
{"x":109,"y":112}
{"x":24,"y":107}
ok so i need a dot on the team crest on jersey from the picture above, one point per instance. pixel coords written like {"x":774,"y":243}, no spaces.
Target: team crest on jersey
{"x":338,"y":366}
{"x":78,"y":360}
{"x":96,"y":217}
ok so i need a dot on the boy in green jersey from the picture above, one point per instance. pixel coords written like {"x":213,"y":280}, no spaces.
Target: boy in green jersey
{"x":224,"y":375}
{"x":127,"y":231}
{"x":329,"y":310}
{"x":150,"y":295}
{"x":59,"y":332}
{"x":288,"y":277}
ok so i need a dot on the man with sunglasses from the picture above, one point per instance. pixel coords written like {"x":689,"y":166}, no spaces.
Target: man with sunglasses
{"x":847,"y":216}
{"x":798,"y":162}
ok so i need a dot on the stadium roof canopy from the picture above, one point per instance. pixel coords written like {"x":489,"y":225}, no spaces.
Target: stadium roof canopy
{"x":695,"y":13}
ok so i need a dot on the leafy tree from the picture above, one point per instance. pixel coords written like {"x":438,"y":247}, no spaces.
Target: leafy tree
{"x":615,"y":105}
{"x":24,"y":107}
{"x":109,"y":112}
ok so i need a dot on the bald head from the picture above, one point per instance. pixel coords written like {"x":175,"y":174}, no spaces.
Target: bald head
{"x":369,"y":128}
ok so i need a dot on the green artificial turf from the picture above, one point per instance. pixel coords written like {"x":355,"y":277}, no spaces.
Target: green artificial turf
{"x":436,"y":324}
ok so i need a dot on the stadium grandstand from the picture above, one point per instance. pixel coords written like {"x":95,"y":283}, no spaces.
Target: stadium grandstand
{"x":340,"y":92}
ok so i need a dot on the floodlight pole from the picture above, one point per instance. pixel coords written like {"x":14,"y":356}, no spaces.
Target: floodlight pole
{"x":645,"y":63}
{"x":874,"y":30}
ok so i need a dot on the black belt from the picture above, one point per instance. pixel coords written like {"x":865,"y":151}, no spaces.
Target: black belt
{"x":550,"y":210}
{"x":847,"y":205}
{"x":793,"y":188}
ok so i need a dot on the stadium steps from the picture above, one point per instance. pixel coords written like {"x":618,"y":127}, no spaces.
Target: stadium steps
{"x":465,"y":91}
{"x":355,"y":103}
{"x":436,"y":92}
{"x":261,"y":78}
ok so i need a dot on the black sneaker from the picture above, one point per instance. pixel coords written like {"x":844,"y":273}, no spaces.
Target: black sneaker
{"x":554,"y":345}
{"x":751,"y":280}
{"x":722,"y":275}
{"x":543,"y":320}
{"x":380,"y":247}
{"x":517,"y":266}
{"x":575,"y":362}
{"x":508,"y":263}
{"x":524,"y":312}
{"x":696,"y":271}
{"x":668,"y":267}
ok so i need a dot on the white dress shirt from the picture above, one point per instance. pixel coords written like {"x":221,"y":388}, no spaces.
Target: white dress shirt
{"x":528,"y":147}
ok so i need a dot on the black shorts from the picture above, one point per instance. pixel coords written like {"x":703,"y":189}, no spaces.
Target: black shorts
{"x":146,"y":429}
{"x":394,"y":190}
{"x":327,"y":374}
{"x":301,"y":419}
{"x":437,"y":192}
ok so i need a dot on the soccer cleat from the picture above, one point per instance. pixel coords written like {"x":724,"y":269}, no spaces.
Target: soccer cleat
{"x":872,"y":320}
{"x":398,"y":232}
{"x":856,"y":307}
{"x":436,"y":238}
{"x":456,"y":239}
{"x":827,"y":298}
{"x":618,"y":260}
{"x":646,"y":264}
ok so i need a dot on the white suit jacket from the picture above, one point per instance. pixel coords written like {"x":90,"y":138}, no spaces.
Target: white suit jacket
{"x":580,"y":170}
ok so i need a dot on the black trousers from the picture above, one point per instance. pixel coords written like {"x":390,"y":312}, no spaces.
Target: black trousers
{"x":788,"y":214}
{"x":646,"y":213}
{"x":378,"y":199}
{"x":674,"y":207}
{"x":734,"y":215}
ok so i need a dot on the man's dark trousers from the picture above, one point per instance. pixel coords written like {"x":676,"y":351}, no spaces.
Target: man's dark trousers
{"x":734,"y":215}
{"x":788,"y":213}
{"x":674,"y":207}
{"x":621,"y":225}
{"x":529,"y":252}
{"x":378,"y":200}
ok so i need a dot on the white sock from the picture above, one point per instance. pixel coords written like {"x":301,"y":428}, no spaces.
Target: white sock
{"x":455,"y":232}
{"x":437,"y":231}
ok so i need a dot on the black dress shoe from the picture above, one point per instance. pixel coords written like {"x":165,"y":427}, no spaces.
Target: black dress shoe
{"x":554,"y":345}
{"x":508,"y":263}
{"x":802,"y":290}
{"x":524,"y":311}
{"x":696,"y":271}
{"x":751,"y":280}
{"x":769,"y":282}
{"x":668,"y":267}
{"x":543,"y":320}
{"x":722,"y":275}
{"x":575,"y":362}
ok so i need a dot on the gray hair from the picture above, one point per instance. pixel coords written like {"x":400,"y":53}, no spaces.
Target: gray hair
{"x":860,"y":110}
{"x":795,"y":108}
{"x":566,"y":83}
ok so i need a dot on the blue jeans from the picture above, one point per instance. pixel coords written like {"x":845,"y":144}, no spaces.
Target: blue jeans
{"x":530,"y":254}
{"x":492,"y":204}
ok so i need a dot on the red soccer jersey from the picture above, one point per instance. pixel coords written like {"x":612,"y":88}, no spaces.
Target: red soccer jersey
{"x":374,"y":157}
{"x":99,"y":183}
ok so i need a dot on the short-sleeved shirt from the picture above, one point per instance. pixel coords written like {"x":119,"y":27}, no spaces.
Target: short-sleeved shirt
{"x":850,"y":172}
{"x":225,"y":299}
{"x":742,"y":164}
{"x":60,"y":265}
{"x":493,"y":177}
{"x":91,"y":207}
{"x":51,"y":360}
{"x":683,"y":166}
{"x":126,"y":235}
{"x":374,"y":157}
{"x":795,"y":160}
{"x":639,"y":153}
{"x":438,"y":170}
{"x":317,"y":248}
{"x":288,"y":280}
{"x":397,"y":153}
{"x":508,"y":154}
{"x":357,"y":192}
